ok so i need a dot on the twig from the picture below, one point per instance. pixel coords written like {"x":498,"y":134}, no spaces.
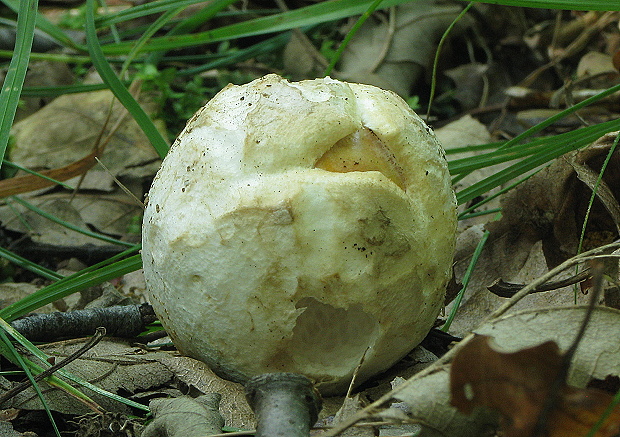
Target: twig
{"x":96,"y":338}
{"x":120,"y":321}
{"x":507,"y":289}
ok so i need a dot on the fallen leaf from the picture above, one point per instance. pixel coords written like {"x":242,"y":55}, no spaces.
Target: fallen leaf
{"x":234,"y":406}
{"x":65,"y":131}
{"x":597,"y":356}
{"x":393,"y":52}
{"x":427,"y":398}
{"x":185,"y":417}
{"x":114,"y":365}
{"x":518,"y":384}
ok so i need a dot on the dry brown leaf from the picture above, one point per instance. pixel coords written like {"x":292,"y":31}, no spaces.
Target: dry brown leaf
{"x":518,"y":385}
{"x":392,"y":52}
{"x":64,"y":133}
{"x":234,"y":406}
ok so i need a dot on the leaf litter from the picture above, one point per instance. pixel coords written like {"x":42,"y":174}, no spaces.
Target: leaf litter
{"x":539,"y":229}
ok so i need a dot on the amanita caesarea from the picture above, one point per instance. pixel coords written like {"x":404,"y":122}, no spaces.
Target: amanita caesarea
{"x":298,"y":227}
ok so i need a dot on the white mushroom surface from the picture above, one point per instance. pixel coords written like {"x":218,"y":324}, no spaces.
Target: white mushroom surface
{"x":298,"y":227}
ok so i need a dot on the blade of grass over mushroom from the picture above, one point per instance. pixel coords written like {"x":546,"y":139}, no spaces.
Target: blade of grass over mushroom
{"x":117,"y":87}
{"x":17,"y":358}
{"x":296,"y":18}
{"x":29,"y":265}
{"x":569,"y":5}
{"x":70,"y":284}
{"x":68,"y":225}
{"x":14,"y":80}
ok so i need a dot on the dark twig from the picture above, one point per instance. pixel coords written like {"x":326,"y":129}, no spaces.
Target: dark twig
{"x":119,"y":321}
{"x":96,"y":338}
{"x":507,"y":289}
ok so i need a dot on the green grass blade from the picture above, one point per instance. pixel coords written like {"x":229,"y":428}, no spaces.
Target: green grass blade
{"x":154,"y":7}
{"x":350,"y":34}
{"x":68,"y":225}
{"x":191,"y":23}
{"x":42,"y":23}
{"x":569,"y":5}
{"x":14,"y":80}
{"x":465,"y":281}
{"x":37,"y":91}
{"x":467,"y":213}
{"x":117,"y":87}
{"x":560,"y":115}
{"x":269,"y":45}
{"x":34,"y":173}
{"x":69,"y":285}
{"x":57,"y":382}
{"x":29,"y":265}
{"x":157,"y":24}
{"x":553,"y":147}
{"x":297,"y":18}
{"x":17,"y":358}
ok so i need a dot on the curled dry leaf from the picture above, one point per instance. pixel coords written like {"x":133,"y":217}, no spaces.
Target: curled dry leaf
{"x":518,"y":384}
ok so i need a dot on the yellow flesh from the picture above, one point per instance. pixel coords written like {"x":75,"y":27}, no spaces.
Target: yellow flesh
{"x":362,"y":151}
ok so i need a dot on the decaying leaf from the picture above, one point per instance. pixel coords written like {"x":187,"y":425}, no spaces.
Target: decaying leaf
{"x":598,"y":355}
{"x":427,"y":401}
{"x":392,"y":51}
{"x":113,"y":215}
{"x":550,"y":206}
{"x":350,"y":406}
{"x":518,"y":385}
{"x":113,"y":365}
{"x":66,"y":130}
{"x":185,"y":417}
{"x":234,"y":406}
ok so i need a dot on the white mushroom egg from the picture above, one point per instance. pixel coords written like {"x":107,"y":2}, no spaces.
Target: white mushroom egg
{"x":299,"y":227}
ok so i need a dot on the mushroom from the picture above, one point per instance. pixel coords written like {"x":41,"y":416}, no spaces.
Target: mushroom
{"x":298,"y":227}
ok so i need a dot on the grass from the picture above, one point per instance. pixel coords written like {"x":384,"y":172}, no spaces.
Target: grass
{"x":525,"y":153}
